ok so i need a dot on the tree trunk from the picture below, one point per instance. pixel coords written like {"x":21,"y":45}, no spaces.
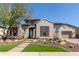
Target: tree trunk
{"x":12,"y":35}
{"x":8,"y":30}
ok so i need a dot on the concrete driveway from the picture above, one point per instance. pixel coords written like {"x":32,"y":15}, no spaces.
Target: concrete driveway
{"x":75,"y":41}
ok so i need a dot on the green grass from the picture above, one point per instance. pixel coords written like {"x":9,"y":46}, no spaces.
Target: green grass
{"x":43,"y":48}
{"x":6,"y":47}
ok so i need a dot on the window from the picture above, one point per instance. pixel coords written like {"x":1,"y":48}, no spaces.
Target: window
{"x":15,"y":31}
{"x":44,"y":30}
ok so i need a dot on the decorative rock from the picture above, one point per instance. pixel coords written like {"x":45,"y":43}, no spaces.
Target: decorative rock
{"x":71,"y":46}
{"x":34,"y":40}
{"x":16,"y":40}
{"x":44,"y":40}
{"x":62,"y":43}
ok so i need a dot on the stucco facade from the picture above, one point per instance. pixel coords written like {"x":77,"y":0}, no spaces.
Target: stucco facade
{"x":52,"y":30}
{"x":45,"y":23}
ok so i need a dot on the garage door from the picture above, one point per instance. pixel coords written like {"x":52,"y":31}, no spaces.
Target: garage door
{"x":66,"y":34}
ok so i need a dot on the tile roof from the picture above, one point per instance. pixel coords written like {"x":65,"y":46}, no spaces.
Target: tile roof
{"x":64,"y":24}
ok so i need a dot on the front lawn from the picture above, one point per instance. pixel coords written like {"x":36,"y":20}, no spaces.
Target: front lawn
{"x":6,"y":47}
{"x":43,"y":48}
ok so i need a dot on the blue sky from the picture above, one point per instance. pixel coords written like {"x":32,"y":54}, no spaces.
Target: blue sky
{"x":66,"y":13}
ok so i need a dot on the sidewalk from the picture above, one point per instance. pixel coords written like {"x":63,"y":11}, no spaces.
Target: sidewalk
{"x":39,"y":54}
{"x":19,"y":48}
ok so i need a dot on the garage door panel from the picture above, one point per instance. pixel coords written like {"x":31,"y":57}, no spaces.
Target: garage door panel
{"x":66,"y":34}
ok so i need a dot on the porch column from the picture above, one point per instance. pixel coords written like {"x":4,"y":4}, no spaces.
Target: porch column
{"x":27,"y":33}
{"x":33,"y":33}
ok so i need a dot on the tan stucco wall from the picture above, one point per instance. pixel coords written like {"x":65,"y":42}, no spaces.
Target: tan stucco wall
{"x":1,"y":32}
{"x":44,"y":23}
{"x":26,"y":32}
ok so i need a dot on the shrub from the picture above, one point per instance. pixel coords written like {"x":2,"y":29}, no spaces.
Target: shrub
{"x":45,"y":42}
{"x":71,"y":46}
{"x":49,"y":40}
{"x":61,"y":40}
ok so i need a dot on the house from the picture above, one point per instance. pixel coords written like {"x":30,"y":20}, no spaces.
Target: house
{"x":37,"y":28}
{"x":46,"y":29}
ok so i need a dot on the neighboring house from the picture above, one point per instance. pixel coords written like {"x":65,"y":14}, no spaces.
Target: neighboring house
{"x":37,"y":28}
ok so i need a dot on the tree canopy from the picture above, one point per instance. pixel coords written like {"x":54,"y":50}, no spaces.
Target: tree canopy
{"x":9,"y":13}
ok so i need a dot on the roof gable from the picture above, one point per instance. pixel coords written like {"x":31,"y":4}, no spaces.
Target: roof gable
{"x":45,"y":20}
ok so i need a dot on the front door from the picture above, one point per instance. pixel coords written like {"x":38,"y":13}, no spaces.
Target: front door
{"x":30,"y":32}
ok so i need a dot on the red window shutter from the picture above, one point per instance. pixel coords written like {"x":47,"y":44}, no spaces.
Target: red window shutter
{"x":40,"y":29}
{"x":47,"y":28}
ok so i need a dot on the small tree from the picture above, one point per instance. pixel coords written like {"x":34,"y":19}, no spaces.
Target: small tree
{"x":8,"y":15}
{"x":4,"y":18}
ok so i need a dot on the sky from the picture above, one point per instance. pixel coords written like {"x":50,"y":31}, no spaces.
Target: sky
{"x":56,"y":12}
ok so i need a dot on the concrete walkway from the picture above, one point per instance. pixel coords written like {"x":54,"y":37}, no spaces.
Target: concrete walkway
{"x":20,"y":47}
